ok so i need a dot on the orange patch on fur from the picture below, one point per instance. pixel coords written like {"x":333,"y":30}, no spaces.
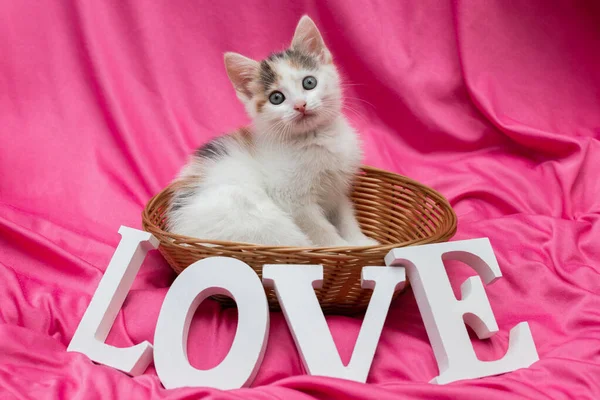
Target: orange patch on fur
{"x":293,"y":63}
{"x":260,"y":104}
{"x":244,"y":137}
{"x":187,"y":182}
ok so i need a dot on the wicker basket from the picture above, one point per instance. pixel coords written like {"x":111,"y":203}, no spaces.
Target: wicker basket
{"x":392,"y":209}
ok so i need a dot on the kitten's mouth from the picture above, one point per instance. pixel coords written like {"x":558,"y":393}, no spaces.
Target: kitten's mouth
{"x":305,"y":116}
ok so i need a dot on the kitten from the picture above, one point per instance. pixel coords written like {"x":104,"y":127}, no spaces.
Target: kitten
{"x":286,"y":179}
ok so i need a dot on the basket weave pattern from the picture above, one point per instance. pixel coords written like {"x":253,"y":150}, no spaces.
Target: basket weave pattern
{"x":394,"y":210}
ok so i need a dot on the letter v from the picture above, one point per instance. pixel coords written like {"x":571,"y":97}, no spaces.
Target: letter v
{"x":294,"y":288}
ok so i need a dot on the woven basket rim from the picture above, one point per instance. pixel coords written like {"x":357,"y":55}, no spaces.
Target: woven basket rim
{"x":188,"y":240}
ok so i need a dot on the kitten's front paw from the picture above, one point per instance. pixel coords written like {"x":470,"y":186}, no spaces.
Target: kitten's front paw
{"x":340,"y":243}
{"x":336,"y":242}
{"x":364,"y":241}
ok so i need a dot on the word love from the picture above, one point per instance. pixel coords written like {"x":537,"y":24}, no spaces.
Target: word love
{"x":444,"y":316}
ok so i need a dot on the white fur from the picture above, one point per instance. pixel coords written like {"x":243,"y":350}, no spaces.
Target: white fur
{"x":292,"y":187}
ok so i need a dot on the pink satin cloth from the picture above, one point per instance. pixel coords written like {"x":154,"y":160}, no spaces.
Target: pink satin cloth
{"x":495,"y":104}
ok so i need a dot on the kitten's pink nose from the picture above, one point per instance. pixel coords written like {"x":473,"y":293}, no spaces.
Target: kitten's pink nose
{"x":300,"y":106}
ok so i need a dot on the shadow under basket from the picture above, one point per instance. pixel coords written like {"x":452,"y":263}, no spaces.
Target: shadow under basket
{"x":394,"y":210}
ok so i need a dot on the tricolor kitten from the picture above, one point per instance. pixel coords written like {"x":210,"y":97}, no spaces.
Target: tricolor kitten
{"x":286,"y":179}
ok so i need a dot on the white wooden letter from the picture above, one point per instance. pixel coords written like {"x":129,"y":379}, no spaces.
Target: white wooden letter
{"x":202,"y":279}
{"x":294,"y":288}
{"x":107,"y":301}
{"x":443,"y":314}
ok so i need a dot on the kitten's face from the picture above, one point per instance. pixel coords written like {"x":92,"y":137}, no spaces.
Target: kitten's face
{"x":292,"y":92}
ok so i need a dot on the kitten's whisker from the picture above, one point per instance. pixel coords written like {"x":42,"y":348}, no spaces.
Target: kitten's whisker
{"x":343,"y":106}
{"x":353,"y":110}
{"x":273,"y":132}
{"x":359,"y":99}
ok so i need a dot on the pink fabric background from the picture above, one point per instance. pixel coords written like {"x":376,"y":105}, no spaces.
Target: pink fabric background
{"x":496,"y":104}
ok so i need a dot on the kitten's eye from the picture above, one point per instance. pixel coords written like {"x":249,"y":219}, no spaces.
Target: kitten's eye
{"x":276,"y":98}
{"x":310,"y":82}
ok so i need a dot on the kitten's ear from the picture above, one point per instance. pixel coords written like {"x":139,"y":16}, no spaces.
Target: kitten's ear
{"x":308,"y":39}
{"x":241,"y":71}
